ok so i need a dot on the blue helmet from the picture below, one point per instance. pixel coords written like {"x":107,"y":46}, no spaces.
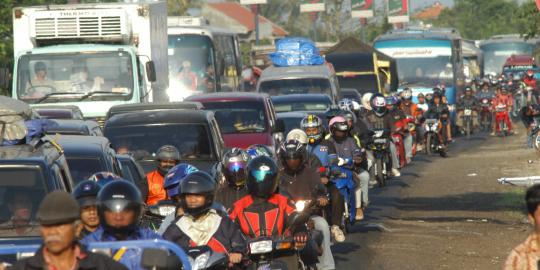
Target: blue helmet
{"x":175,"y":176}
{"x":103,"y":178}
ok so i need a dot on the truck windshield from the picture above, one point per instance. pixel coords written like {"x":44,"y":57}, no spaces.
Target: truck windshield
{"x":57,"y":77}
{"x":296,"y":86}
{"x":362,"y":83}
{"x":143,"y":141}
{"x":81,"y":168}
{"x":495,"y":54}
{"x":239,"y":116}
{"x":191,"y":64}
{"x":21,"y":191}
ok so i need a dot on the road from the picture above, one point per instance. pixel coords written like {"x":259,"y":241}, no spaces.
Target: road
{"x":446,"y":213}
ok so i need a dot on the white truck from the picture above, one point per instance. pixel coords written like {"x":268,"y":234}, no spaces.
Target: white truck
{"x":91,"y":55}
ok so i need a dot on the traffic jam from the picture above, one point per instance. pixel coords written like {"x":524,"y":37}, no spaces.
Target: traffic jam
{"x":133,"y":140}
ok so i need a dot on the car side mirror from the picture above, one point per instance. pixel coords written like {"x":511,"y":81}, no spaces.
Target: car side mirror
{"x":154,"y":258}
{"x":280,"y":126}
{"x":150,"y":71}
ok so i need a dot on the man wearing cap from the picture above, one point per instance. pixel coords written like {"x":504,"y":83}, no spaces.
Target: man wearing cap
{"x":57,"y":216}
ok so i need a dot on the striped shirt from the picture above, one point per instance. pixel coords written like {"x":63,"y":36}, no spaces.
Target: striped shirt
{"x":525,"y":256}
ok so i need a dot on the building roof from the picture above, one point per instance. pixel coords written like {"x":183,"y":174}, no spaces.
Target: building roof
{"x":245,"y":16}
{"x":431,"y":12}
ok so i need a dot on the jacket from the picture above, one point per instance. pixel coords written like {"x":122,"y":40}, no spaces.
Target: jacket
{"x":468,"y":102}
{"x":385,"y":122}
{"x":131,"y":257}
{"x":226,"y":239}
{"x":86,"y":261}
{"x":229,"y":195}
{"x":156,"y":190}
{"x":321,"y":151}
{"x":301,"y":185}
{"x":346,"y":149}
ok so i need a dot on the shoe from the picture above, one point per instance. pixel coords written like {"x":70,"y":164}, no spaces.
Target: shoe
{"x":372,"y":182}
{"x":492,"y":134}
{"x":396,"y":172}
{"x":419,"y":147}
{"x":337,"y":233}
{"x":359,"y":214}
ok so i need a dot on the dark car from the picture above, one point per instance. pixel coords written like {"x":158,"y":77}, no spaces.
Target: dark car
{"x":27,"y":174}
{"x":291,"y":120}
{"x":132,"y":171}
{"x":351,"y":93}
{"x":302,"y":102}
{"x":146,"y":107}
{"x":59,"y":111}
{"x":244,"y":118}
{"x":75,"y":127}
{"x":87,"y":155}
{"x":194,"y":132}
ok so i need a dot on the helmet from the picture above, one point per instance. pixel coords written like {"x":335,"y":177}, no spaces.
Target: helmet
{"x":346,"y":104}
{"x":292,"y":149}
{"x":406,"y":94}
{"x":256,"y":150}
{"x":297,"y":134}
{"x":164,"y":153}
{"x":420,"y":95}
{"x":355,"y":106}
{"x":175,"y":176}
{"x":315,"y":126}
{"x":468,"y":81}
{"x":234,"y":165}
{"x":468,"y":89}
{"x":86,"y":192}
{"x":338,"y":123}
{"x":378,"y":104}
{"x":332,"y":112}
{"x":103,"y":178}
{"x":118,"y":196}
{"x":391,"y":100}
{"x":366,"y":100}
{"x":530,"y":73}
{"x":200,"y":183}
{"x":349,"y":116}
{"x":262,"y":180}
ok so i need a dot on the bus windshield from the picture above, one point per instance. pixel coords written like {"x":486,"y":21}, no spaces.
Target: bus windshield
{"x":44,"y":78}
{"x":495,"y":54}
{"x":191,"y":64}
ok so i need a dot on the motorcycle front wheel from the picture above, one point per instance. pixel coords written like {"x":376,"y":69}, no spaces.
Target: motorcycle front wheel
{"x":379,"y":173}
{"x":429,"y":144}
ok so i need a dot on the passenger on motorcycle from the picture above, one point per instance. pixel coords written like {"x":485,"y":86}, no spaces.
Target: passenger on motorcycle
{"x":422,"y":103}
{"x":467,"y":102}
{"x":313,"y":161}
{"x":485,"y":92}
{"x":413,"y":116}
{"x":120,"y":209}
{"x":440,"y":110}
{"x":167,"y":157}
{"x":203,"y":226}
{"x":414,"y":113}
{"x":264,"y":211}
{"x":301,"y":182}
{"x":502,"y":101}
{"x":400,"y":122}
{"x":379,"y":118}
{"x":85,"y":193}
{"x":234,"y":166}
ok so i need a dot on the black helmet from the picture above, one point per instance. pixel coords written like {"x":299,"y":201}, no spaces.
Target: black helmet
{"x":167,"y":152}
{"x":234,"y":167}
{"x":292,"y":149}
{"x":349,"y":116}
{"x":200,"y":183}
{"x":378,"y":104}
{"x":118,"y":196}
{"x":86,"y":193}
{"x":332,"y":112}
{"x":262,"y":180}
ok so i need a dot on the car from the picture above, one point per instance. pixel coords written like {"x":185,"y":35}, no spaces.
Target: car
{"x":59,"y":111}
{"x":144,"y":107}
{"x":74,"y":127}
{"x":302,"y":102}
{"x":291,"y":120}
{"x":194,"y":132}
{"x":132,"y":171}
{"x":28,"y":172}
{"x":319,"y":79}
{"x":87,"y":155}
{"x":352,"y":94}
{"x":244,"y":118}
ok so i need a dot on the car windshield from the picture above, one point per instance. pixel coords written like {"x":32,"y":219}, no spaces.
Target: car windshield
{"x":191,"y":64}
{"x":284,"y":105}
{"x":290,"y":123}
{"x":81,"y":168}
{"x":192,"y":140}
{"x":296,"y":86}
{"x":21,"y":191}
{"x":47,"y":78}
{"x":495,"y":54}
{"x":239,"y":116}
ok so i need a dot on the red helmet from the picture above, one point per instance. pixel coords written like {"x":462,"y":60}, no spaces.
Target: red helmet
{"x":530,"y":73}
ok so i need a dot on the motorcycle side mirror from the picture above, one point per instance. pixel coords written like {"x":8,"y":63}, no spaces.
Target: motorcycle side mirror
{"x":154,"y":258}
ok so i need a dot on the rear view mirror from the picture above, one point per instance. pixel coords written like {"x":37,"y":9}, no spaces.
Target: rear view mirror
{"x":150,"y":71}
{"x":153,"y":258}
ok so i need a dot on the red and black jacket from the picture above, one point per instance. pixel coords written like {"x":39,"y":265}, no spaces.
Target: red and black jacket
{"x":258,"y":217}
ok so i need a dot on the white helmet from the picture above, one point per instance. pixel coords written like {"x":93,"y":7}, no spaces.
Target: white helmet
{"x":366,"y":99}
{"x":406,"y":94}
{"x":298,"y":135}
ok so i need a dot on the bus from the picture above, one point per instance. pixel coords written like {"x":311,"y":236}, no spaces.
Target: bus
{"x":498,"y":48}
{"x":202,"y":58}
{"x":425,"y":59}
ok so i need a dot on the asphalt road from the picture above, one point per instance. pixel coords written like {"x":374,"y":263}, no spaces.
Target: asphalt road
{"x":446,"y":213}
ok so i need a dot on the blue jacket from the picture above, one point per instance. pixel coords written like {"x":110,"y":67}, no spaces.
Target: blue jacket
{"x":321,"y":151}
{"x":131,"y":257}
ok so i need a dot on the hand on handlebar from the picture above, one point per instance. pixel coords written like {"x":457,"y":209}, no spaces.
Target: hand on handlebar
{"x":341,"y":162}
{"x":322,"y":201}
{"x":300,"y":240}
{"x":234,"y":258}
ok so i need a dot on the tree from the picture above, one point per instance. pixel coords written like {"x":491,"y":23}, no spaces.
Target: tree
{"x":528,"y":19}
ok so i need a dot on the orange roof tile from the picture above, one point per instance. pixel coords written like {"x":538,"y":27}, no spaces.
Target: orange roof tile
{"x":432,"y":12}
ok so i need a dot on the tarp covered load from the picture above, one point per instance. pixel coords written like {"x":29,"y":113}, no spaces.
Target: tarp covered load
{"x":296,"y":52}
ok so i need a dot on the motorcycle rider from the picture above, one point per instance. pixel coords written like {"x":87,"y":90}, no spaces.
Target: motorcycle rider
{"x":234,"y":165}
{"x":440,"y":110}
{"x":527,"y":115}
{"x":120,"y":209}
{"x":502,"y":98}
{"x":85,"y":193}
{"x":422,"y":103}
{"x":467,"y":101}
{"x":414,"y":114}
{"x":313,"y":161}
{"x":201,"y":225}
{"x":301,"y":182}
{"x":167,"y":157}
{"x":264,"y":211}
{"x":379,"y":118}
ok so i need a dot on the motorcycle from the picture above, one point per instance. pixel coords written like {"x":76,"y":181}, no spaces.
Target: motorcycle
{"x":467,"y":121}
{"x":202,"y":257}
{"x":535,"y":134}
{"x":520,"y":100}
{"x":500,"y":117}
{"x":433,"y":145}
{"x":397,"y":138}
{"x":380,"y":146}
{"x":485,"y":114}
{"x":343,"y":179}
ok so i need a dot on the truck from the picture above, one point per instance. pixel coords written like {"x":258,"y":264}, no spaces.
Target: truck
{"x":93,"y":56}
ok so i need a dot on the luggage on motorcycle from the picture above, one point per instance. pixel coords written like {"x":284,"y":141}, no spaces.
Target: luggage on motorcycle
{"x":13,"y":114}
{"x":296,"y":52}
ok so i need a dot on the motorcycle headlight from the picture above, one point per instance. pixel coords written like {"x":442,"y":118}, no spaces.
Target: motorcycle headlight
{"x":260,"y":247}
{"x":301,"y":205}
{"x":200,"y":261}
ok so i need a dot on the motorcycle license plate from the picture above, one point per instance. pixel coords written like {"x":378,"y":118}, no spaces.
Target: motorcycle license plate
{"x":260,"y":247}
{"x":381,"y":141}
{"x":468,"y":112}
